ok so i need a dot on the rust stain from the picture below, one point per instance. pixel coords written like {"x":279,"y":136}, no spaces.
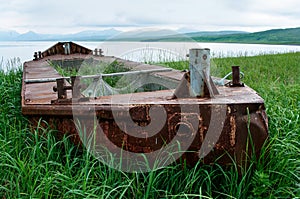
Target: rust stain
{"x":233,"y":131}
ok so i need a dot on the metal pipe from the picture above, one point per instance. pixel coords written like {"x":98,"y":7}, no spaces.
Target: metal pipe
{"x":61,"y":91}
{"x":236,"y":78}
{"x":199,"y":70}
{"x":44,"y":80}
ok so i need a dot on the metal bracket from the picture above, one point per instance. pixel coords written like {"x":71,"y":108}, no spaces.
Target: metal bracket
{"x":197,"y":82}
{"x":61,"y":88}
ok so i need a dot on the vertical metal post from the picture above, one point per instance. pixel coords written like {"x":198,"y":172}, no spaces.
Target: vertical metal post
{"x":67,"y":48}
{"x":61,"y":91}
{"x":96,"y":52}
{"x":40,"y":55}
{"x":199,"y":70}
{"x":100,"y":52}
{"x":35,"y":56}
{"x":236,"y":75}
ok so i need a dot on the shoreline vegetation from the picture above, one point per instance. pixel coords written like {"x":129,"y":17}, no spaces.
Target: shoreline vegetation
{"x":33,"y":163}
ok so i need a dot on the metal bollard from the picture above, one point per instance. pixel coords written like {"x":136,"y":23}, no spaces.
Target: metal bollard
{"x":236,"y":78}
{"x":200,"y":70}
{"x":35,"y":55}
{"x":40,"y":55}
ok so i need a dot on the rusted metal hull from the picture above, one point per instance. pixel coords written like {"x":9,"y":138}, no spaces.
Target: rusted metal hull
{"x":244,"y":125}
{"x":230,"y":126}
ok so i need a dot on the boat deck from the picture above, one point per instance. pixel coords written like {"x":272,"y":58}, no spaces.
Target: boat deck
{"x":37,"y":97}
{"x":225,"y":118}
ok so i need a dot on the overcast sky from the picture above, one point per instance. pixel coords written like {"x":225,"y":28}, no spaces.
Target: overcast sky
{"x":69,"y":16}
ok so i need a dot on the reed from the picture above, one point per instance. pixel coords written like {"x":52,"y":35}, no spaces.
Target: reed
{"x":33,"y":163}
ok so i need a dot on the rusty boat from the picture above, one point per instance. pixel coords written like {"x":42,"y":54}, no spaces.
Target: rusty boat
{"x":188,"y":113}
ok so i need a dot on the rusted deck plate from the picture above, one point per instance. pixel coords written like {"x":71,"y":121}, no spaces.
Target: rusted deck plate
{"x":42,"y":93}
{"x":36,"y":97}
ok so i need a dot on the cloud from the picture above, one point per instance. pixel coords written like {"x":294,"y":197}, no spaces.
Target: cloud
{"x":68,"y":15}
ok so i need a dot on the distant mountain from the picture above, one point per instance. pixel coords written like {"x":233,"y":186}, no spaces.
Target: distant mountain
{"x":139,"y":35}
{"x":186,"y":30}
{"x":81,"y":36}
{"x":189,"y":37}
{"x":8,"y":35}
{"x":275,"y":36}
{"x":93,"y":35}
{"x":29,"y":36}
{"x":214,"y":33}
{"x":165,"y":35}
{"x":289,"y":36}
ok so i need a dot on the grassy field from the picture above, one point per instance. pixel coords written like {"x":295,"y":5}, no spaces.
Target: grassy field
{"x":35,"y":164}
{"x":289,"y":36}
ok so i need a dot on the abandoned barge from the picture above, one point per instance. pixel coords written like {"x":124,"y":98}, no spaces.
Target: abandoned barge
{"x":180,"y":113}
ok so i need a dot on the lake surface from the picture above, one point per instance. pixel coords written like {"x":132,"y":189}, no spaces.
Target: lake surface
{"x":146,"y":51}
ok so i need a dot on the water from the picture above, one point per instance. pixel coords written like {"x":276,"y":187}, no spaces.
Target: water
{"x":146,"y":51}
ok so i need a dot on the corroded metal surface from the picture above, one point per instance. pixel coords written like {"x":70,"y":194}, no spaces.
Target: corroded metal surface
{"x":243,"y":109}
{"x":233,"y":138}
{"x":65,"y":48}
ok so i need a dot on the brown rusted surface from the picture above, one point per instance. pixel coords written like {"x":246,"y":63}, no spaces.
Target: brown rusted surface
{"x":59,"y":48}
{"x":233,"y":139}
{"x":183,"y":89}
{"x":236,"y":79}
{"x":243,"y":109}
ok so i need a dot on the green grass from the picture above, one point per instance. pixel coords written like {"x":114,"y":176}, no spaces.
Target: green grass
{"x":33,"y":163}
{"x":289,"y":36}
{"x":277,"y":79}
{"x":89,"y":67}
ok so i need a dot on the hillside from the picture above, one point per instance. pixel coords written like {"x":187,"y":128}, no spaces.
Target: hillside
{"x":276,"y":36}
{"x":290,"y":36}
